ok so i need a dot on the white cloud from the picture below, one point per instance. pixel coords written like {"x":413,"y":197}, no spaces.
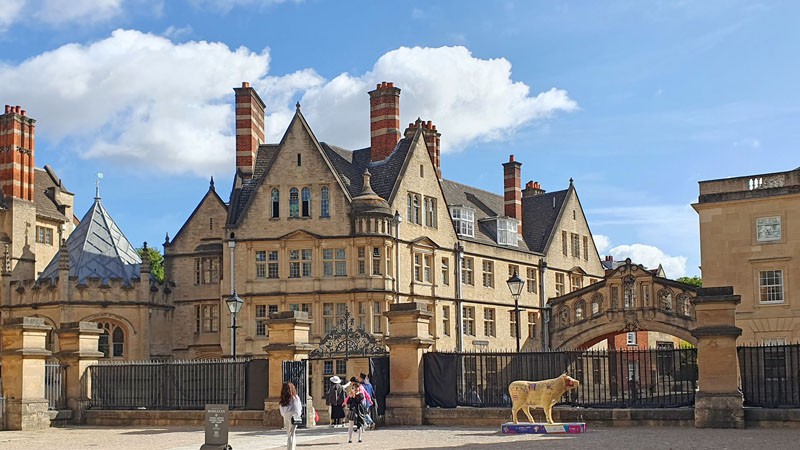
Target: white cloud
{"x":469,"y":99}
{"x":142,"y":100}
{"x":138,"y":99}
{"x":10,"y":12}
{"x":175,"y":33}
{"x":651,"y":257}
{"x":224,"y":6}
{"x":602,"y":242}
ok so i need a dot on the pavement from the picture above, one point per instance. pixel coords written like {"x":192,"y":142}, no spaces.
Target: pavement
{"x":425,"y":437}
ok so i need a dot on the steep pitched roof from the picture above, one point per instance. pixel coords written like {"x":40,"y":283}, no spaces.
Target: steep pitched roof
{"x":47,"y":182}
{"x":98,"y":249}
{"x":539,"y":216}
{"x":212,"y":193}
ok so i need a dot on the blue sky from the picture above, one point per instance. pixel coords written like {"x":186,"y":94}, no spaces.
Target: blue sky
{"x":637,"y":101}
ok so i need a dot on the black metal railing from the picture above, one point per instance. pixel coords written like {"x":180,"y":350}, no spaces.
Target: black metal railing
{"x":608,"y":379}
{"x":168,"y":384}
{"x":55,"y":384}
{"x":770,"y":375}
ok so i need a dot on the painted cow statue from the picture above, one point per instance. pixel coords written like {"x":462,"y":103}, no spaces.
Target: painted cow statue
{"x":539,"y":394}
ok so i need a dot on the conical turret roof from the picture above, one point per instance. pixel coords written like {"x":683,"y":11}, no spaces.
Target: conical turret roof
{"x":98,"y":249}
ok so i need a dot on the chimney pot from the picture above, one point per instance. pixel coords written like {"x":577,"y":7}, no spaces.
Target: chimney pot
{"x":390,"y":84}
{"x":510,"y":158}
{"x":17,"y":109}
{"x":245,"y":84}
{"x":23,"y":113}
{"x":8,"y":109}
{"x":529,"y":185}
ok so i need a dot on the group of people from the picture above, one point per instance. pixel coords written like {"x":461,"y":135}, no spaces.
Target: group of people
{"x":359,"y":401}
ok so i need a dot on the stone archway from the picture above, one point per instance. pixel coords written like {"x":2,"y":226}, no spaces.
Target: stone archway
{"x":630,"y":298}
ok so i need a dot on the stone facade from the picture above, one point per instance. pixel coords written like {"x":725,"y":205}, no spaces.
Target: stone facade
{"x":749,"y":228}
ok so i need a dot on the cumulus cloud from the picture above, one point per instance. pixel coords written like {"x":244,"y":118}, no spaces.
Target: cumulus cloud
{"x":10,"y":12}
{"x":602,"y":242}
{"x":137,"y":98}
{"x":145,"y":101}
{"x":651,"y":257}
{"x":468,"y":98}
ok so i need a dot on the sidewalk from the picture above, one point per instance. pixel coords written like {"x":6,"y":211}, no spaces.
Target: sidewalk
{"x":426,"y":437}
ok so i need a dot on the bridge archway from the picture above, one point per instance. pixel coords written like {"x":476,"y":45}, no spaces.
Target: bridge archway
{"x":630,"y":298}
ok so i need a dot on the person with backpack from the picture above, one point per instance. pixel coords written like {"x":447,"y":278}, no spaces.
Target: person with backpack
{"x":335,"y":399}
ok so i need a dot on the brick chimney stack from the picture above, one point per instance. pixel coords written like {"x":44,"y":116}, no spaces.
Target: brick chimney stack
{"x":532,"y":189}
{"x":17,"y":147}
{"x":249,"y":127}
{"x":512,"y":195}
{"x":384,"y":118}
{"x":432,"y":141}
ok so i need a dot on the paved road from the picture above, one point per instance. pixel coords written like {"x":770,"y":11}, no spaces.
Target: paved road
{"x":190,"y":438}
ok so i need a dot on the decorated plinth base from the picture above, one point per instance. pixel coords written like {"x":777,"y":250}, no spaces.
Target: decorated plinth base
{"x":543,"y":428}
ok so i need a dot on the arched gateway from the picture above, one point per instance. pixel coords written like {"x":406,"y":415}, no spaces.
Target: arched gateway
{"x":630,"y":298}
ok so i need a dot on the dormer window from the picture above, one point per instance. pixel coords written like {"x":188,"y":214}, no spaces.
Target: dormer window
{"x":464,"y":220}
{"x":507,"y":231}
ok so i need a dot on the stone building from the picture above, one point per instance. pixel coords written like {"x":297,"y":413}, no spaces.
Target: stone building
{"x":749,"y":239}
{"x":94,"y":274}
{"x":314,"y":227}
{"x":36,"y":210}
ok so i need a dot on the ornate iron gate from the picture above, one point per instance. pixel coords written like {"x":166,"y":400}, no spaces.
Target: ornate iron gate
{"x":297,"y":373}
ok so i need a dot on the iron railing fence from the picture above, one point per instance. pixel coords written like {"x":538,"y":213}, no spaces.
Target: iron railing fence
{"x":55,"y":384}
{"x":168,"y":384}
{"x":770,"y":375}
{"x":648,"y":378}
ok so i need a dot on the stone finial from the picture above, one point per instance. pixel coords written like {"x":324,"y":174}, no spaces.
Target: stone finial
{"x":211,"y":184}
{"x":145,"y":260}
{"x":6,"y":260}
{"x":297,"y":106}
{"x":166,"y":239}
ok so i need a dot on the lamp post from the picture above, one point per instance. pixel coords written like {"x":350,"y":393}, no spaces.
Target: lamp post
{"x":515,"y":285}
{"x":234,"y":306}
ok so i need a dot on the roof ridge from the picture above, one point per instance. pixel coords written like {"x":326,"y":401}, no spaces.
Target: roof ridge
{"x":473,"y":187}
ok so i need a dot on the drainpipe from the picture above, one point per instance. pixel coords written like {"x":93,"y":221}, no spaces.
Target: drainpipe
{"x":232,"y":246}
{"x":543,"y":305}
{"x":459,"y":313}
{"x":397,"y":219}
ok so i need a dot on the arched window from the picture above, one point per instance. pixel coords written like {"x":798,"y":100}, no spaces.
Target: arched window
{"x":563,"y":317}
{"x":112,"y":341}
{"x":306,"y":202}
{"x":294,"y":203}
{"x":325,"y":202}
{"x":597,"y":304}
{"x":665,"y":300}
{"x":580,"y":310}
{"x":276,"y":203}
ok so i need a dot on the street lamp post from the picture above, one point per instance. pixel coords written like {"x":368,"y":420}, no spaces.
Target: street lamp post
{"x":234,"y":306}
{"x":515,"y":284}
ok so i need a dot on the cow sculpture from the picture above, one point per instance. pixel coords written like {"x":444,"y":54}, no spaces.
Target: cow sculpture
{"x":539,"y":394}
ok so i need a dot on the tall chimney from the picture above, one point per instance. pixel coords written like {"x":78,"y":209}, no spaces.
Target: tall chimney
{"x":512,"y":195}
{"x":17,"y":146}
{"x":384,"y":118}
{"x":249,"y":127}
{"x":432,"y":141}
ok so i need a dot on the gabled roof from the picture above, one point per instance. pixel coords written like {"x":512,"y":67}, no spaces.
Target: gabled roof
{"x":540,"y":215}
{"x":212,"y":193}
{"x":46,"y":183}
{"x":98,"y":249}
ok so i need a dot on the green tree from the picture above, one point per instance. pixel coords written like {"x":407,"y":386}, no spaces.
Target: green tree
{"x":694,"y":281}
{"x":156,"y":261}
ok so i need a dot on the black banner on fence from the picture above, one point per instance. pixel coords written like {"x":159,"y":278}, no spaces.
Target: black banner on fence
{"x":440,"y":370}
{"x":257,"y":384}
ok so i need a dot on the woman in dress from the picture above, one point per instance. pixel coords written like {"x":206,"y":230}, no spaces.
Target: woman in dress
{"x":291,"y":408}
{"x":356,"y":410}
{"x":335,"y":399}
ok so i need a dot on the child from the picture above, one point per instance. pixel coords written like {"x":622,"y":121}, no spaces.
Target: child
{"x":355,"y":414}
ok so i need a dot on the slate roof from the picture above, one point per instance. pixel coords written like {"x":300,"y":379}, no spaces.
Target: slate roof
{"x":98,"y":249}
{"x":539,"y":215}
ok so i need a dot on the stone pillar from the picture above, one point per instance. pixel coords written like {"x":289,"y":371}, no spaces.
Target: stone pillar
{"x":24,"y":354}
{"x":288,"y":341}
{"x":408,"y":341}
{"x":78,"y":344}
{"x":719,"y":401}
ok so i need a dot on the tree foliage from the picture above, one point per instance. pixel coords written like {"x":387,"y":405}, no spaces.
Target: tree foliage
{"x":694,"y":281}
{"x":156,"y":261}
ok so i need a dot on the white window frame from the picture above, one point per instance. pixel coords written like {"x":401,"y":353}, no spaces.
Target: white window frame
{"x":630,"y":339}
{"x":774,"y":293}
{"x":507,"y":232}
{"x":463,"y":220}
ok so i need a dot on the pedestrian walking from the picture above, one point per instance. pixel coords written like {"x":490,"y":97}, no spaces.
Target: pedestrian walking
{"x":291,"y":410}
{"x":355,"y":414}
{"x":372,"y":405}
{"x":335,"y":399}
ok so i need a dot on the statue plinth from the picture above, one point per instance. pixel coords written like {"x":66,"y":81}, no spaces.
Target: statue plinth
{"x":543,"y":428}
